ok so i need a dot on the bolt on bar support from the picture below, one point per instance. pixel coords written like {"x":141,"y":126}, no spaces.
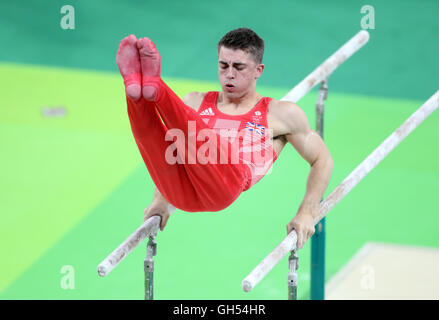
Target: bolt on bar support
{"x":148,"y":263}
{"x":293,"y":264}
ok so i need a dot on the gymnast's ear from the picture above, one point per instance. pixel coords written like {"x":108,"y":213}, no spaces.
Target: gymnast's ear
{"x":259,"y":69}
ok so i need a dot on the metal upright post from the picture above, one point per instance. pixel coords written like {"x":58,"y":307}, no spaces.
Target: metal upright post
{"x":293,"y":264}
{"x":319,"y":237}
{"x":151,"y":251}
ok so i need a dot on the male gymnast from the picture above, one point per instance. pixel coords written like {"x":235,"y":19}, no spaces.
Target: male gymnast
{"x":241,"y":124}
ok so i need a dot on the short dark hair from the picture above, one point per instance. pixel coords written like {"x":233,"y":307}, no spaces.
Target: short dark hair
{"x":246,"y":40}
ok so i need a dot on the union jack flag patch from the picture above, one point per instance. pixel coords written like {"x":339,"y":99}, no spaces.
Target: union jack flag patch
{"x":257,"y":128}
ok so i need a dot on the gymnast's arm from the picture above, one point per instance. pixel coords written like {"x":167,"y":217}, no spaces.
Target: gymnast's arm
{"x":312,"y":148}
{"x":159,"y":205}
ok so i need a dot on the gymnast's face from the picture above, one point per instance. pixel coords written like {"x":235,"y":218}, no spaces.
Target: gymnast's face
{"x":237,"y":71}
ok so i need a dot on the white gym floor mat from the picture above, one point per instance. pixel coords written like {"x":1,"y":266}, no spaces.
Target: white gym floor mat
{"x":387,"y":272}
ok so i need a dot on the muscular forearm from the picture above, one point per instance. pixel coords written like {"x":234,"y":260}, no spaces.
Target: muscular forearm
{"x":158,"y":196}
{"x":318,"y":180}
{"x":158,"y":207}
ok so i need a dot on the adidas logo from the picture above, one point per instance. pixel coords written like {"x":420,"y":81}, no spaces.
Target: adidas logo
{"x":207,"y":112}
{"x":258,"y":113}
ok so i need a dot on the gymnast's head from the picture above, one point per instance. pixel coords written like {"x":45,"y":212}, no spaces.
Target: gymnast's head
{"x":240,"y":54}
{"x":244,"y":39}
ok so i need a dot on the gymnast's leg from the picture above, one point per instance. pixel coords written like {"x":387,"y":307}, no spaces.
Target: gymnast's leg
{"x":190,"y":187}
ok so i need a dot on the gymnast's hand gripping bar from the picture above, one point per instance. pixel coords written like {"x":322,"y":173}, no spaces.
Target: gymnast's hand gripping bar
{"x":289,"y":243}
{"x":149,"y":227}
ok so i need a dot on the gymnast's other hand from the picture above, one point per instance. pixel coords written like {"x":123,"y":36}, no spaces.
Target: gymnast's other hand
{"x":157,"y":208}
{"x":303,"y":223}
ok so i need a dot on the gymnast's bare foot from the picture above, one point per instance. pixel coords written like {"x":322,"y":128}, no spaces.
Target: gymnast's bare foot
{"x":150,"y":64}
{"x":128,"y":61}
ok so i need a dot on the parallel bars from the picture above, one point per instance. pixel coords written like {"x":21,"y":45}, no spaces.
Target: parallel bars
{"x":289,"y":243}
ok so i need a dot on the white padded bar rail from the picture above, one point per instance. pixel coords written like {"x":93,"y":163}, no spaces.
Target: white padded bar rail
{"x":328,"y":66}
{"x":149,"y":227}
{"x":364,"y":168}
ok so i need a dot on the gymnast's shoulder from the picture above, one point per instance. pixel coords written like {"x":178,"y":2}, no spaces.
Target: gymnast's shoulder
{"x":286,"y":114}
{"x":193,"y":99}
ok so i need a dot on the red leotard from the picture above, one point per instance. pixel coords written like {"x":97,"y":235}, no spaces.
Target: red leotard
{"x":194,"y":186}
{"x":252,"y":125}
